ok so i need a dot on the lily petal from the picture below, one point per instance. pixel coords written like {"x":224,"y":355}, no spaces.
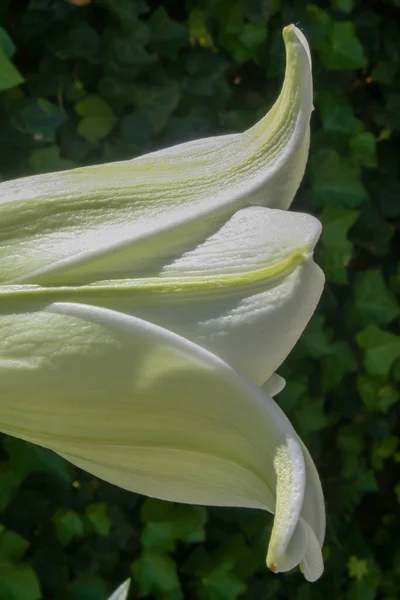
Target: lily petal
{"x":121,"y":593}
{"x":133,"y":217}
{"x":111,"y":394}
{"x":245,"y":294}
{"x":273,"y":385}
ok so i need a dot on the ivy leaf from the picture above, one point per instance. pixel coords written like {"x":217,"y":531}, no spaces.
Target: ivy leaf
{"x":87,"y":587}
{"x":166,"y":523}
{"x":335,"y":250}
{"x":220,"y":583}
{"x":12,"y":545}
{"x":6,"y":43}
{"x":339,"y":362}
{"x":156,"y":102}
{"x":345,"y":6}
{"x":18,"y":581}
{"x":81,"y":41}
{"x":383,"y":450}
{"x":48,"y":159}
{"x":98,"y":118}
{"x":335,"y":181}
{"x":381,"y":348}
{"x":155,"y":572}
{"x":136,"y":130}
{"x":198,"y":32}
{"x":293,"y":391}
{"x":363,"y":149}
{"x":167,"y":35}
{"x":97,"y":516}
{"x":311,"y":416}
{"x":68,"y":525}
{"x":9,"y":75}
{"x":373,"y":300}
{"x":376,"y":396}
{"x":344,"y":50}
{"x":26,"y":458}
{"x":316,"y":339}
{"x":39,"y":119}
{"x":337,"y":114}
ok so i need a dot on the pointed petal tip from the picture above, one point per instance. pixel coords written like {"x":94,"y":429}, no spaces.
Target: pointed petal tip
{"x":272,"y":567}
{"x":292,"y":35}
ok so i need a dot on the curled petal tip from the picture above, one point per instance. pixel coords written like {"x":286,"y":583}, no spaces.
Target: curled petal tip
{"x":272,"y":567}
{"x":293,"y":35}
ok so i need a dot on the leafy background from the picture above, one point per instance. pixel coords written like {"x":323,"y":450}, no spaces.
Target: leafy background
{"x":94,"y":81}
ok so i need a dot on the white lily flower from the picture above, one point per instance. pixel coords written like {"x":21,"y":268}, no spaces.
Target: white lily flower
{"x":121,"y":593}
{"x":143,"y":303}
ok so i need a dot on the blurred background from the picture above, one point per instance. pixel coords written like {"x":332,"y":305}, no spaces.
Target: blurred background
{"x":84,"y":82}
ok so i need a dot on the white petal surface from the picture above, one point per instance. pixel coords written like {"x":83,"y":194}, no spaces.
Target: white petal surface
{"x":245,"y":294}
{"x":149,"y":411}
{"x":273,"y":385}
{"x":121,"y":593}
{"x":133,"y":217}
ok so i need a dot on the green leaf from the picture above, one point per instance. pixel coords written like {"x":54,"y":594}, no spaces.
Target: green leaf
{"x":335,"y":181}
{"x":136,"y":129}
{"x":381,"y":348}
{"x":6,"y":44}
{"x":156,"y":102}
{"x":12,"y":545}
{"x":336,"y":224}
{"x":321,"y":24}
{"x":87,"y":587}
{"x":155,"y":572}
{"x":291,"y":394}
{"x":166,"y":523}
{"x":198,"y":31}
{"x":81,"y":41}
{"x":48,"y":159}
{"x":345,"y":6}
{"x":39,"y":118}
{"x":18,"y":581}
{"x":397,"y":492}
{"x":377,"y":396}
{"x":383,"y":450}
{"x":337,"y":114}
{"x":167,"y":35}
{"x":26,"y":458}
{"x":253,"y":35}
{"x":373,"y":300}
{"x":220,"y":583}
{"x":384,"y":72}
{"x":344,"y":50}
{"x":68,"y":525}
{"x":335,"y":250}
{"x":9,"y":75}
{"x":316,"y":339}
{"x":98,"y":118}
{"x":97,"y":516}
{"x":125,"y":12}
{"x":336,"y":365}
{"x":311,"y":416}
{"x":358,"y":568}
{"x":363,"y":149}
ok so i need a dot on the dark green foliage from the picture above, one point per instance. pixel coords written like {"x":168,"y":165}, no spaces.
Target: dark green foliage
{"x":115,"y":78}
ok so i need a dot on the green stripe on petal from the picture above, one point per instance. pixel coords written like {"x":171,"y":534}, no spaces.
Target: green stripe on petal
{"x":126,"y":219}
